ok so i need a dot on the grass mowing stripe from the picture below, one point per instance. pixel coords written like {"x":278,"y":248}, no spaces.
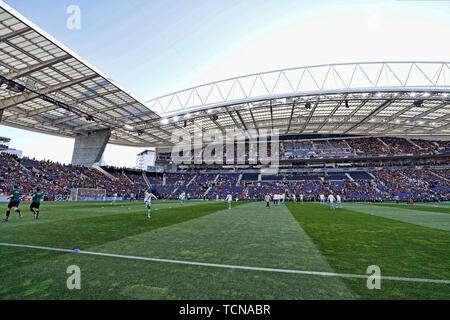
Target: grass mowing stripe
{"x":419,"y":207}
{"x":436,"y":204}
{"x":436,"y":220}
{"x":352,"y":241}
{"x":88,"y":232}
{"x":77,"y":215}
{"x":92,"y":231}
{"x":214,"y":265}
{"x":78,"y":210}
{"x":248,"y":235}
{"x":108,"y":278}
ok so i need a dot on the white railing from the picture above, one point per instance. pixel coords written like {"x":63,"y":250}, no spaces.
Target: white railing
{"x":311,"y":80}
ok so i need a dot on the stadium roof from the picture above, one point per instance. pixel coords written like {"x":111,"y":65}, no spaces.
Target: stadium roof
{"x":31,"y":57}
{"x":3,"y":139}
{"x":375,"y":98}
{"x":379,"y":98}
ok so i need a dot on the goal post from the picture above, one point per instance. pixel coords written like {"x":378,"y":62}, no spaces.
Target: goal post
{"x":87,"y":194}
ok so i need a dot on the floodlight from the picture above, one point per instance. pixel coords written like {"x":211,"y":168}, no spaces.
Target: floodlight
{"x":418,"y":103}
{"x":14,"y":86}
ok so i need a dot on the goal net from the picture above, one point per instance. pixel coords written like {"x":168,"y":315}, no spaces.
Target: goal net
{"x":86,"y":194}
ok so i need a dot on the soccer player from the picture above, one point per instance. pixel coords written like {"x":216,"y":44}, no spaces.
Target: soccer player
{"x":301,"y":198}
{"x":182,"y":198}
{"x":294,"y":198}
{"x":148,"y":201}
{"x":322,"y":199}
{"x":331,"y":200}
{"x":267,"y":198}
{"x":132,"y":197}
{"x":229,"y":199}
{"x":338,"y":202}
{"x":14,"y":201}
{"x":36,"y":202}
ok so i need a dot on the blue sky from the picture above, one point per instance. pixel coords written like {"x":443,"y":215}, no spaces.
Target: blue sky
{"x":153,"y":47}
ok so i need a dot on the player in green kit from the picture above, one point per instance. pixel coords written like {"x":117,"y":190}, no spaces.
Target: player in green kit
{"x":35,"y":204}
{"x":14,"y":202}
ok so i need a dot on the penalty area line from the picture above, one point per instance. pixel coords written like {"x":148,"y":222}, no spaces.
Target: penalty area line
{"x":225,"y":266}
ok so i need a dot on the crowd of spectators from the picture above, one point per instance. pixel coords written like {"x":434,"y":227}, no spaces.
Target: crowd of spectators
{"x":395,"y":146}
{"x":417,"y":184}
{"x":382,"y":185}
{"x":368,"y":146}
{"x":57,"y":180}
{"x":225,"y":184}
{"x":324,"y":148}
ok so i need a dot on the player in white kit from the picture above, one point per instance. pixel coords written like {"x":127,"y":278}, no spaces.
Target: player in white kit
{"x":148,"y":201}
{"x":182,"y":198}
{"x":267,"y":198}
{"x":331,"y":199}
{"x":229,"y":199}
{"x":322,"y":199}
{"x":338,"y":202}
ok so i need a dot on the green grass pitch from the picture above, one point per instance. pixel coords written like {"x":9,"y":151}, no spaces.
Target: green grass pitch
{"x":404,"y":241}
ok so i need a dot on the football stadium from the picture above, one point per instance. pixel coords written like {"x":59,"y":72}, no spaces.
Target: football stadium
{"x":318,"y":182}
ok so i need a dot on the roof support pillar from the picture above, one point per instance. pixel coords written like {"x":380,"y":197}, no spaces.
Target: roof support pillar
{"x":89,"y":148}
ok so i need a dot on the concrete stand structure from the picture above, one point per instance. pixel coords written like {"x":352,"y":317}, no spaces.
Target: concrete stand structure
{"x":89,"y":148}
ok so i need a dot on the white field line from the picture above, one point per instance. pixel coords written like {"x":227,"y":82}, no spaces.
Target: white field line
{"x":316,"y":273}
